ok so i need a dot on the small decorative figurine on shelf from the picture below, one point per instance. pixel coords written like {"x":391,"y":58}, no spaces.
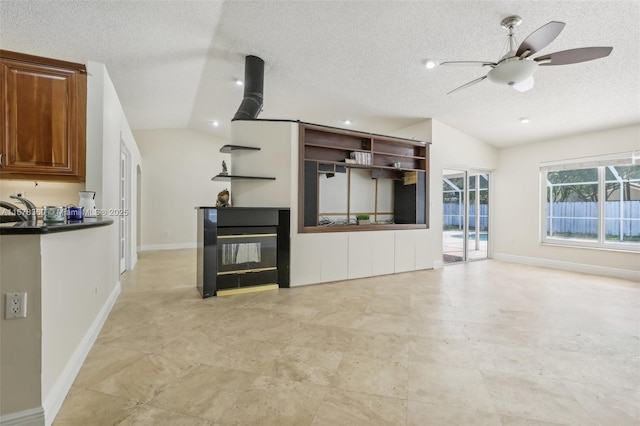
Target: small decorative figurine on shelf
{"x":224,"y":171}
{"x":223,"y":198}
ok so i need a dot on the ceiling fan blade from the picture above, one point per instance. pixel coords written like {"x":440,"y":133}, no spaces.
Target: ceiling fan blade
{"x":525,"y":85}
{"x":540,"y":38}
{"x":470,"y":63}
{"x":471,"y":83}
{"x":573,"y":56}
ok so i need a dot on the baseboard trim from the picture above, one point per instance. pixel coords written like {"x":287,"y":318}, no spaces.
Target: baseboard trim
{"x":53,"y":401}
{"x":438,"y":264}
{"x":168,"y":246}
{"x":626,"y":274}
{"x":30,"y":417}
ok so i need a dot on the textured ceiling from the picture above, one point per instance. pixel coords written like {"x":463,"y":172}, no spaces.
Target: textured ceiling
{"x":174,"y":63}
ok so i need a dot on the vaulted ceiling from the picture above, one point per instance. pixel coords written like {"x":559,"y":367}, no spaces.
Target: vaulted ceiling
{"x":174,"y":63}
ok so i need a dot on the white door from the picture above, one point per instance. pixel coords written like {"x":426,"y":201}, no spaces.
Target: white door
{"x":122,"y":218}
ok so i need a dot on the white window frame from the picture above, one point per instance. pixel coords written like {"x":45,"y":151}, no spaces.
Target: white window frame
{"x":601,"y":163}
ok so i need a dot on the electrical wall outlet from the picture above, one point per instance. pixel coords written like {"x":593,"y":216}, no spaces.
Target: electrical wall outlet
{"x":16,"y":306}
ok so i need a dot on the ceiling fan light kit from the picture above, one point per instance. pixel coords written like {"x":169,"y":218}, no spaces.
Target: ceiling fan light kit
{"x":516,"y":67}
{"x":512,"y":71}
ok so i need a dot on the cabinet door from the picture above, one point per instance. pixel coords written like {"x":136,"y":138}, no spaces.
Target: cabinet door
{"x":42,"y":131}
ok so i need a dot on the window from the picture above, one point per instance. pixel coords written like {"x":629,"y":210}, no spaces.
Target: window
{"x":592,"y":202}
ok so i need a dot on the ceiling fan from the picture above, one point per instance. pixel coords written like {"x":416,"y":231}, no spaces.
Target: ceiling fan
{"x":516,"y":67}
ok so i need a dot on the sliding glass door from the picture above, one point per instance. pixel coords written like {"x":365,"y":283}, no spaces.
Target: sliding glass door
{"x":465,"y":196}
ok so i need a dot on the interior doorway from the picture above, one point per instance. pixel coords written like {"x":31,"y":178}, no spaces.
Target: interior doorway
{"x":465,"y":225}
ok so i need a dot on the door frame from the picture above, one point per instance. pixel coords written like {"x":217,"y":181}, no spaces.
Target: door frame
{"x":124,"y":200}
{"x":467,"y":172}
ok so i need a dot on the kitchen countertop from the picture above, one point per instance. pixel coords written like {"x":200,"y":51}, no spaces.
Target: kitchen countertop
{"x":26,"y":228}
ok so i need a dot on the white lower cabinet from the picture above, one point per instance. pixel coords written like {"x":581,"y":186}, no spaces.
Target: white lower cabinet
{"x":405,"y":251}
{"x":383,"y":252}
{"x":317,"y":258}
{"x":361,"y":249}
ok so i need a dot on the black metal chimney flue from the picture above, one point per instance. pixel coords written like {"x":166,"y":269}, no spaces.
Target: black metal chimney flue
{"x":253,"y":89}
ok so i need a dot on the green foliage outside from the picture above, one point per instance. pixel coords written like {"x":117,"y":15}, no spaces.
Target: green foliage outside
{"x":583,"y":184}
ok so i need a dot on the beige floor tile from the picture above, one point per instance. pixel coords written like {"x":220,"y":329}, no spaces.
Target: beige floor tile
{"x":609,"y":405}
{"x":142,"y":379}
{"x":275,"y":401}
{"x":510,"y":359}
{"x":147,"y":415}
{"x":440,"y":312}
{"x":546,"y":400}
{"x":393,"y":304}
{"x":421,"y":300}
{"x":93,"y":408}
{"x":506,"y":335}
{"x":102,"y":362}
{"x":144,"y":336}
{"x":554,"y":342}
{"x":519,"y":421}
{"x":341,"y":407}
{"x":194,"y":347}
{"x":273,"y":327}
{"x":303,"y":364}
{"x":445,"y":385}
{"x":423,"y":413}
{"x":399,"y":323}
{"x":276,"y":384}
{"x":323,"y":337}
{"x":452,"y":352}
{"x":339,"y":318}
{"x":204,"y":392}
{"x":376,"y":376}
{"x":618,"y":371}
{"x":379,"y":345}
{"x":251,"y":356}
{"x":438,"y":329}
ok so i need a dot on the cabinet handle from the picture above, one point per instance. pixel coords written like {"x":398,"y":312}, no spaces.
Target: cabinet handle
{"x":1,"y":159}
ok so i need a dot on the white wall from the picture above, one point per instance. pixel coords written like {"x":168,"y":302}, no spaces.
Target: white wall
{"x":176,"y":177}
{"x":107,"y":131}
{"x":450,"y":148}
{"x":77,"y":293}
{"x":277,"y":158}
{"x":516,"y":208}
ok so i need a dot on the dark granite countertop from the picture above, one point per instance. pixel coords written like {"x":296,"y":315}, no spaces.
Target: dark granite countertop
{"x":242,"y":208}
{"x":26,"y":228}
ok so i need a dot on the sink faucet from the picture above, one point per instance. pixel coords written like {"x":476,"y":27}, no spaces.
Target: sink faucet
{"x":31,"y":212}
{"x":15,"y":210}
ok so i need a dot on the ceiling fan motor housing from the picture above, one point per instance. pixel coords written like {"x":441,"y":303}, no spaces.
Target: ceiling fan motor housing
{"x":512,"y":71}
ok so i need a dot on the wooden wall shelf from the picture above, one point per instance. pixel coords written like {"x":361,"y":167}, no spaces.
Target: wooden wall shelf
{"x":227,"y":178}
{"x":322,"y":149}
{"x":227,"y":149}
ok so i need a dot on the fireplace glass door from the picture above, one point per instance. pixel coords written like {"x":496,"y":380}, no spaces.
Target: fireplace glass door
{"x":247,"y":250}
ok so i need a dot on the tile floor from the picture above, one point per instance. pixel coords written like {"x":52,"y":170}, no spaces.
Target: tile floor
{"x":485,"y":343}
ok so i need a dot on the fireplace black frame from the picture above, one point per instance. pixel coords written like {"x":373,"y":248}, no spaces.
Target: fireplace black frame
{"x":250,"y":224}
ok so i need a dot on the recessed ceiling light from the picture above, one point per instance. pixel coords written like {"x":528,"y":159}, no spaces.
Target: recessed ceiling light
{"x":431,"y":64}
{"x":347,"y":122}
{"x":524,"y":120}
{"x":239,"y":82}
{"x":215,"y":123}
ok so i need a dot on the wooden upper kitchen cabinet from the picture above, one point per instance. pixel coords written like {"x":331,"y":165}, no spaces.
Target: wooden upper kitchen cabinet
{"x":43,"y":118}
